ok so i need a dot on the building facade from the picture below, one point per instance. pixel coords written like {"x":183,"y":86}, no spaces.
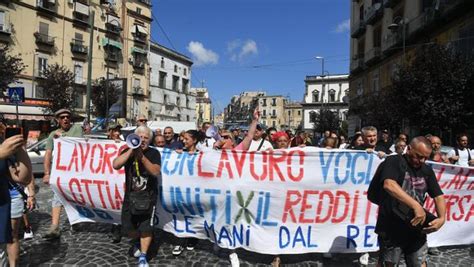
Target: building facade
{"x":203,"y":105}
{"x":170,"y":95}
{"x":272,"y":109}
{"x":385,"y":32}
{"x":59,"y":32}
{"x":241,"y":107}
{"x":293,"y":115}
{"x":330,"y":92}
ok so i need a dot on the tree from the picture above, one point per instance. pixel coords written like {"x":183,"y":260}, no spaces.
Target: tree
{"x":99,"y":99}
{"x":435,"y":91}
{"x":57,"y":84}
{"x":324,"y":120}
{"x":10,"y":68}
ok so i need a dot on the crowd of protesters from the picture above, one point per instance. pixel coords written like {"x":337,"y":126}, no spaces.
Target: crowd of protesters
{"x":142,"y":167}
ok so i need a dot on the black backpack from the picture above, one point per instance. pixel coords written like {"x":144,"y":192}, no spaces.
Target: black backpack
{"x":375,"y":191}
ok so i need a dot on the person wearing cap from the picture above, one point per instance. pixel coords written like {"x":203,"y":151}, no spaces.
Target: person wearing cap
{"x":113,"y":131}
{"x":384,"y":143}
{"x":66,"y":129}
{"x":259,"y":143}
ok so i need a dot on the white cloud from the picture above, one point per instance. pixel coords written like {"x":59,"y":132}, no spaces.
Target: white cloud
{"x":201,"y":55}
{"x":240,"y":50}
{"x":344,"y":26}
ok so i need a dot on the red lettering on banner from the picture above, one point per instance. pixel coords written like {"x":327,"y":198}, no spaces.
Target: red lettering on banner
{"x":99,"y":184}
{"x":289,"y":203}
{"x":94,"y":148}
{"x":200,"y":171}
{"x":301,"y":156}
{"x":355,"y":204}
{"x":319,"y":218}
{"x":470,"y":214}
{"x":264,"y":166}
{"x":337,"y":205}
{"x":305,"y":206}
{"x":273,"y":164}
{"x":78,"y":185}
{"x":239,"y":161}
{"x":74,"y":159}
{"x":439,"y":175}
{"x":109,"y":157}
{"x":58,"y":184}
{"x":84,"y":154}
{"x":109,"y":195}
{"x":224,"y":162}
{"x":58,"y":159}
{"x":86,"y":183}
{"x":471,"y":186}
{"x":458,"y":180}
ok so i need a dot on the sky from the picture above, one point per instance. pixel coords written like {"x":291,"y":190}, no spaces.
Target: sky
{"x":249,"y":45}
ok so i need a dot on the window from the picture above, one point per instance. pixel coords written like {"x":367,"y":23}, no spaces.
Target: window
{"x":312,"y":116}
{"x":332,"y":95}
{"x":178,"y":116}
{"x":274,"y":123}
{"x":139,"y":11}
{"x":178,"y":101}
{"x":175,"y":68}
{"x":187,"y":117}
{"x":162,"y":80}
{"x":43,"y":29}
{"x":360,"y":88}
{"x":273,"y":101}
{"x":375,"y":82}
{"x":42,"y":65}
{"x":289,"y":113}
{"x":78,"y":38}
{"x":136,"y":84}
{"x":187,"y":103}
{"x":361,"y":13}
{"x":185,"y":71}
{"x":274,"y":112}
{"x":264,"y":102}
{"x":39,"y":92}
{"x":175,"y":83}
{"x":165,"y":99}
{"x":3,"y":22}
{"x":79,"y":100}
{"x":264,"y":112}
{"x":377,"y":37}
{"x":299,"y":112}
{"x":78,"y":73}
{"x":315,"y":96}
{"x":184,"y":85}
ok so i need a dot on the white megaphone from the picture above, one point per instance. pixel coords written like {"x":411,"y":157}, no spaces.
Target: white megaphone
{"x":133,"y":141}
{"x":213,"y":132}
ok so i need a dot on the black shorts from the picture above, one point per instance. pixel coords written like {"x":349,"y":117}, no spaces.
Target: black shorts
{"x":140,"y":223}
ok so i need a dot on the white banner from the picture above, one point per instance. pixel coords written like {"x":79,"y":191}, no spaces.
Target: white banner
{"x":276,"y":202}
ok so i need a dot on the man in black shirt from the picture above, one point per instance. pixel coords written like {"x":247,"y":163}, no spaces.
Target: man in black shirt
{"x":406,"y":180}
{"x":142,"y":167}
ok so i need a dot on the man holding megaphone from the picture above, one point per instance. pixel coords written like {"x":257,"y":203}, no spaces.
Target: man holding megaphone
{"x":142,"y":167}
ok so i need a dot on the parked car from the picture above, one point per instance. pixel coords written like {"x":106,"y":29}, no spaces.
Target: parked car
{"x":36,"y":153}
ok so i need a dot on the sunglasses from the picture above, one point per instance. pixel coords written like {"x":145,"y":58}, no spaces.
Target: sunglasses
{"x":64,"y":117}
{"x":142,"y":120}
{"x":226,"y":137}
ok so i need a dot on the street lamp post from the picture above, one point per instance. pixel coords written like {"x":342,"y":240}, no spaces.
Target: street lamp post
{"x":322,"y":85}
{"x":395,"y":26}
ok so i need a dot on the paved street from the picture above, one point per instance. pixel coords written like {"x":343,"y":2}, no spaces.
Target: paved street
{"x":89,"y":244}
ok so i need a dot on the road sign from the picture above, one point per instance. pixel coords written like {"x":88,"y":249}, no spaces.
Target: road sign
{"x":16,"y":94}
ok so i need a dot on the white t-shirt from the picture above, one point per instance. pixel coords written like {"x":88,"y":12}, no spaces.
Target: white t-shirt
{"x":255,"y":144}
{"x":463,"y":157}
{"x":206,"y":145}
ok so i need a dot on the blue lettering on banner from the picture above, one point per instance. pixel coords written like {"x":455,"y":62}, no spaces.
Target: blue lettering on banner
{"x":213,"y":193}
{"x":298,"y":238}
{"x":183,"y":162}
{"x":362,"y":177}
{"x":87,"y":213}
{"x":348,"y":166}
{"x":187,"y":222}
{"x":325,"y":165}
{"x":184,"y":204}
{"x":353,"y":233}
{"x":235,"y":236}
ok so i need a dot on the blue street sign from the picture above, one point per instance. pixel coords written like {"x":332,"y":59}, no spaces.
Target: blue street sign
{"x":16,"y":94}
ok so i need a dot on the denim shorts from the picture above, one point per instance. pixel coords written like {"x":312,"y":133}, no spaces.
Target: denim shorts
{"x":17,"y":207}
{"x":389,"y":252}
{"x":56,"y":201}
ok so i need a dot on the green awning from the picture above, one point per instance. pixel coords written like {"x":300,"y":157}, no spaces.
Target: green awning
{"x":107,"y":41}
{"x":139,"y":50}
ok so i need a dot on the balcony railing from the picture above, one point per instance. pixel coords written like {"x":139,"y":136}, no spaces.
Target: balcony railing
{"x":392,"y":40}
{"x":390,"y":3}
{"x":359,"y":29}
{"x":357,"y":63}
{"x":374,"y":13}
{"x":77,"y":46}
{"x":372,"y":55}
{"x":141,"y":38}
{"x":111,"y":28}
{"x":44,"y":39}
{"x":138,"y":64}
{"x":112,"y":56}
{"x":46,"y":6}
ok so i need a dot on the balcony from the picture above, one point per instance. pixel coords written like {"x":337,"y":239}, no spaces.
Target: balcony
{"x":391,"y":3}
{"x":273,"y":116}
{"x":112,"y":57}
{"x":138,"y":64}
{"x":113,"y":29}
{"x":140,"y":38}
{"x":138,"y":91}
{"x":374,"y":13}
{"x":392,"y":40}
{"x":373,"y":55}
{"x":359,"y":29}
{"x":46,"y":6}
{"x":44,"y":39}
{"x":357,"y":63}
{"x":146,"y":2}
{"x":5,"y":29}
{"x":77,"y":46}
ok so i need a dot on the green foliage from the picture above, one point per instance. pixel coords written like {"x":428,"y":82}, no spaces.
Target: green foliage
{"x":10,"y":68}
{"x":325,"y":119}
{"x":99,"y":99}
{"x":57,"y":82}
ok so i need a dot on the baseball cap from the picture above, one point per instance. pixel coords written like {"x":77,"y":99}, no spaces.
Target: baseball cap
{"x":113,"y":125}
{"x":259,"y":127}
{"x":385,"y":131}
{"x":62,"y":111}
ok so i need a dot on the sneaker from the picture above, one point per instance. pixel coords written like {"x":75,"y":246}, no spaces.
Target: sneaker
{"x":116,"y":233}
{"x":364,"y":259}
{"x":190,"y":247}
{"x":234,"y":259}
{"x":191,"y":243}
{"x":134,"y":251}
{"x":142,"y":261}
{"x":53,"y":233}
{"x":177,"y":250}
{"x":28,"y":233}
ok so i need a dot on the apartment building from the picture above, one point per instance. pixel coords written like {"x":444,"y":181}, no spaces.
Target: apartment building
{"x":45,"y":32}
{"x":203,"y":105}
{"x":241,"y":107}
{"x":272,"y":108}
{"x":329,"y":92}
{"x":170,"y":96}
{"x":385,"y":32}
{"x":293,"y":115}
